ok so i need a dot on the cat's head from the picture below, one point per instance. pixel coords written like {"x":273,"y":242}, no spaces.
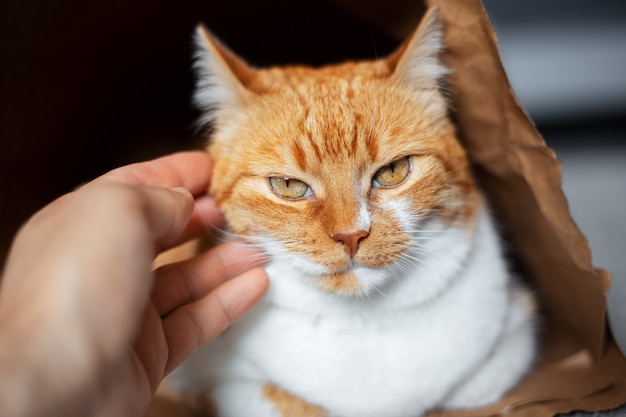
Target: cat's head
{"x":337,"y":170}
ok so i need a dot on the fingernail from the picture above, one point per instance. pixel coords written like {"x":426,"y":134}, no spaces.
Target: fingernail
{"x":210,"y":211}
{"x":181,"y":190}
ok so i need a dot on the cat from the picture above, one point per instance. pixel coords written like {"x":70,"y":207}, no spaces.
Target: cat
{"x":390,"y":293}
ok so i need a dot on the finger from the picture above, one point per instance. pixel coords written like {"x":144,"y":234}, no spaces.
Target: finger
{"x":167,"y":212}
{"x":193,"y":325}
{"x":191,"y":170}
{"x":184,"y":282}
{"x":169,"y":225}
{"x":206,"y":217}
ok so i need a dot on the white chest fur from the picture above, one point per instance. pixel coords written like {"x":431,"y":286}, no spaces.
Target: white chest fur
{"x":397,"y":353}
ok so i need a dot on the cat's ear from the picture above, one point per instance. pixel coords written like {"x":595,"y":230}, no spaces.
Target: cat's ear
{"x":221,"y":76}
{"x":417,"y":63}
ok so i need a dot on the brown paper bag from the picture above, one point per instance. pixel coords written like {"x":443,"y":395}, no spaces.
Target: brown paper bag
{"x":580,"y":367}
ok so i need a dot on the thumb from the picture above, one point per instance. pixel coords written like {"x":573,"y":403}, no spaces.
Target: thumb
{"x":167,"y":212}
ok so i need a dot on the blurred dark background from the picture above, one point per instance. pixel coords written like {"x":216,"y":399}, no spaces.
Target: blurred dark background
{"x":88,"y":86}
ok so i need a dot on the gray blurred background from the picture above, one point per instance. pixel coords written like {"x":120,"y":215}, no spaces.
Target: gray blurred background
{"x":566,"y":61}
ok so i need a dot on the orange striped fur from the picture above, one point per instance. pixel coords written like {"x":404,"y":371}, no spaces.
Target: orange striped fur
{"x":333,"y":128}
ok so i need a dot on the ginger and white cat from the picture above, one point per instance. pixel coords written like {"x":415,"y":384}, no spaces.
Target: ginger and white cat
{"x":390,"y":295}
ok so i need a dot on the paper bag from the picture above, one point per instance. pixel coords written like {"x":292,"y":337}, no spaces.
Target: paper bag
{"x":580,"y":367}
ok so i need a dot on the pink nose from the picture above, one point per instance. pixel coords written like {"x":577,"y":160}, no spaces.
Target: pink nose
{"x":351,"y":240}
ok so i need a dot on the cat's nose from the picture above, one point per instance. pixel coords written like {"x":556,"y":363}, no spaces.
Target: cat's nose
{"x":351,"y":240}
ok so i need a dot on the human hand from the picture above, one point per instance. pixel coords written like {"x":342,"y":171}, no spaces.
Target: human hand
{"x":86,"y":326}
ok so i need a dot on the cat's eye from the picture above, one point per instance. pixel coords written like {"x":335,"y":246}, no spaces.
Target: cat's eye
{"x":289,"y":188}
{"x":392,"y":174}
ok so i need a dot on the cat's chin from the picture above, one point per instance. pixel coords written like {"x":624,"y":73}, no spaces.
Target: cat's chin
{"x":359,"y":281}
{"x":345,"y":283}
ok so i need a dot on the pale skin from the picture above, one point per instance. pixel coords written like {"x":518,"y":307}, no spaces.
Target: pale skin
{"x":87,"y":327}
